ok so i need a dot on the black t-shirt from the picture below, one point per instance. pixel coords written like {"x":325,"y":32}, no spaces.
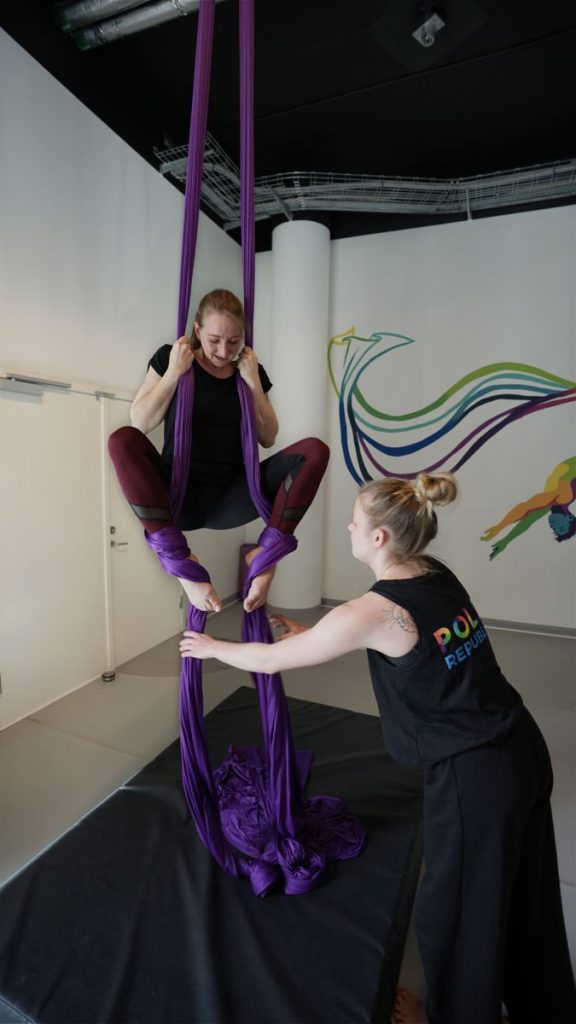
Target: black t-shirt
{"x":449,"y":695}
{"x":216,"y":439}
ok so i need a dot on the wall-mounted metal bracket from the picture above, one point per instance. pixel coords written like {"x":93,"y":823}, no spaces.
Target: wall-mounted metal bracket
{"x":40,"y":381}
{"x":19,"y":387}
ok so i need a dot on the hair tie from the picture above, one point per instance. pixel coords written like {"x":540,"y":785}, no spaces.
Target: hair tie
{"x":425,"y":504}
{"x":421,"y":498}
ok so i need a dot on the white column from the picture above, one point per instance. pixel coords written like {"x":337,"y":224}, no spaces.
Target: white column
{"x":300,"y":308}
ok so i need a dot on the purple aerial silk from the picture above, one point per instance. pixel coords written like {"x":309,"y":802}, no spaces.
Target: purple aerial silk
{"x":250,"y":812}
{"x":196,"y":139}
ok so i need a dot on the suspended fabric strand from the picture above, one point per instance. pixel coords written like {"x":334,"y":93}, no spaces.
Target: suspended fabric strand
{"x":247,"y":221}
{"x":196,"y":142}
{"x":250,"y":812}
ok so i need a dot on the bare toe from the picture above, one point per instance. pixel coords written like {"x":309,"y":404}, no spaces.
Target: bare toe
{"x":408,"y":1009}
{"x":256,"y":596}
{"x":202,"y":596}
{"x":213,"y":602}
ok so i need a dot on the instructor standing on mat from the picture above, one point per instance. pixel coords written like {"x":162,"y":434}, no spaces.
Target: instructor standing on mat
{"x":488,"y":915}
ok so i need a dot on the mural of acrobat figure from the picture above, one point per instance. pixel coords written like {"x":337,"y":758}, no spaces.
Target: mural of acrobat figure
{"x":554,"y":501}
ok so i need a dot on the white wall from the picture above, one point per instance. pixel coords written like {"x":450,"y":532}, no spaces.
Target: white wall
{"x":469,"y":294}
{"x":89,"y":261}
{"x":90,"y":250}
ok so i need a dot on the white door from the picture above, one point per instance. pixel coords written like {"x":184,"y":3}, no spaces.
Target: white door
{"x":52,"y":620}
{"x":145,"y":606}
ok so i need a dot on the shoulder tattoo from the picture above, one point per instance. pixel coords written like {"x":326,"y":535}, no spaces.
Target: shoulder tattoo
{"x":398,"y":616}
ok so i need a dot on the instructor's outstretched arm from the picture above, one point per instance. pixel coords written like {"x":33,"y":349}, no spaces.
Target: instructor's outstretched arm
{"x":341,"y":630}
{"x":368,"y":621}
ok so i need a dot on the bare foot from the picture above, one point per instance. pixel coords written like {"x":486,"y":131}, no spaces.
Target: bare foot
{"x":408,"y":1009}
{"x":260,"y":585}
{"x":201,"y":595}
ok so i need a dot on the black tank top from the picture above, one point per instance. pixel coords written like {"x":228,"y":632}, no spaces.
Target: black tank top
{"x":449,"y":695}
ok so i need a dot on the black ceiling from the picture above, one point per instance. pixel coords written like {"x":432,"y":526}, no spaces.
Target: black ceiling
{"x":341,"y":86}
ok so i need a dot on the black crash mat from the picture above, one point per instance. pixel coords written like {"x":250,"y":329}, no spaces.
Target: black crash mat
{"x":128,"y":919}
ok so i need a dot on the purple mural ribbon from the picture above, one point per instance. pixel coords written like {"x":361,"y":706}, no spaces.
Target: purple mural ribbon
{"x":250,"y":812}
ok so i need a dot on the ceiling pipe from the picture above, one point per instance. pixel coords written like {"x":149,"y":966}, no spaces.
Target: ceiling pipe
{"x":72,"y":16}
{"x":137,"y":20}
{"x":295,"y":191}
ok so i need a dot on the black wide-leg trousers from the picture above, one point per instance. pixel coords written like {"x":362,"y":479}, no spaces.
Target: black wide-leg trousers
{"x":489,"y":916}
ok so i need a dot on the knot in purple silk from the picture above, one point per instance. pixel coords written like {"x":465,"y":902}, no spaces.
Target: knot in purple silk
{"x":275,"y":545}
{"x":174,"y":554}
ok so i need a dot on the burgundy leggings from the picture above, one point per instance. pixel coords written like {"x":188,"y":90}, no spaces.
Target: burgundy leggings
{"x":289,"y":480}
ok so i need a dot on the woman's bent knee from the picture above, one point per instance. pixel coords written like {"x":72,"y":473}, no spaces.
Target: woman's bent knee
{"x":317,"y":451}
{"x":124,"y":440}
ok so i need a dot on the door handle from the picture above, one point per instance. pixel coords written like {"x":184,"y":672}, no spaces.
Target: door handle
{"x":118,"y":543}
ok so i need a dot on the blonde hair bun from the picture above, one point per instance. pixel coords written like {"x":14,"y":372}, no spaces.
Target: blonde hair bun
{"x":437,"y":489}
{"x":406,"y":509}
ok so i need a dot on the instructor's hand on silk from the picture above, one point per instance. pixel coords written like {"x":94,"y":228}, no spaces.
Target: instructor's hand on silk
{"x":181,"y":357}
{"x":248,"y":367}
{"x":196,"y":645}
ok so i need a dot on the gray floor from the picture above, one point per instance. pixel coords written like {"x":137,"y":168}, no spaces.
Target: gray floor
{"x":59,"y":763}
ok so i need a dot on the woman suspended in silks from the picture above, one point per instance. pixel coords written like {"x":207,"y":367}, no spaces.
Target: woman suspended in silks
{"x":217,"y":494}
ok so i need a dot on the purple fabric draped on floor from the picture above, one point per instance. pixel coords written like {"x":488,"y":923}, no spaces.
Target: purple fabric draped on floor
{"x":250,"y":812}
